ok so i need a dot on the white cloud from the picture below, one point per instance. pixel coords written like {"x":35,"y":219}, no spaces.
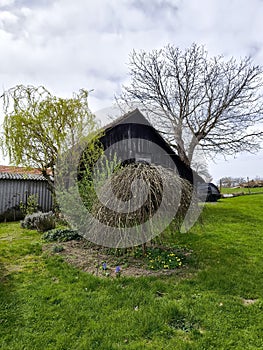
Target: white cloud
{"x":60,"y":42}
{"x":66,"y":45}
{"x":6,"y":18}
{"x":4,"y":3}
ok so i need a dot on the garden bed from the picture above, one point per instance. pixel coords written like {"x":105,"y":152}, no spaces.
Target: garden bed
{"x":104,"y":262}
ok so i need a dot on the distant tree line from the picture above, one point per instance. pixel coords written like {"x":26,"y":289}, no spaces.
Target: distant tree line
{"x":229,"y":181}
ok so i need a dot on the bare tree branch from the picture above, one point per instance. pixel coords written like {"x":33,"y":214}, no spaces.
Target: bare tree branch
{"x":196,"y":100}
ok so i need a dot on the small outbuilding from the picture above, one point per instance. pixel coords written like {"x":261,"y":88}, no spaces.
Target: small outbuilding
{"x":208,"y":192}
{"x":16,"y":185}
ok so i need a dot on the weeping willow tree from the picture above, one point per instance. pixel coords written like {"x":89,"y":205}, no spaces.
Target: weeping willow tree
{"x":141,"y":205}
{"x":38,"y":125}
{"x":125,"y":206}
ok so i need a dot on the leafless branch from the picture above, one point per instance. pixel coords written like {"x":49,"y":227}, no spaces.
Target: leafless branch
{"x":213,"y":101}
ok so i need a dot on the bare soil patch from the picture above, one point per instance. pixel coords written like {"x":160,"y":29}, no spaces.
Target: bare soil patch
{"x":90,"y":260}
{"x":248,"y":302}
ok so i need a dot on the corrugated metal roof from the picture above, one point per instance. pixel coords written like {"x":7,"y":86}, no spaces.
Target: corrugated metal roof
{"x":14,"y":176}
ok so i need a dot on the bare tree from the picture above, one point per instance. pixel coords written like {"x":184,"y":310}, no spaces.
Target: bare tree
{"x":229,"y":181}
{"x":201,"y":168}
{"x":195,"y":99}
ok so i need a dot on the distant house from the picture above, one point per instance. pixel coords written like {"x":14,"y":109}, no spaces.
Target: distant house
{"x":16,"y":185}
{"x":252,"y":184}
{"x":133,"y":139}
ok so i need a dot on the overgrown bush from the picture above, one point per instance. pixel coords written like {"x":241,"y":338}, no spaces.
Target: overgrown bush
{"x":61,"y":235}
{"x":120,"y":184}
{"x":39,"y":221}
{"x":130,"y":206}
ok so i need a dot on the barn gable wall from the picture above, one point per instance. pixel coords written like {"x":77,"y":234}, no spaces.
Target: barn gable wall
{"x":142,"y":139}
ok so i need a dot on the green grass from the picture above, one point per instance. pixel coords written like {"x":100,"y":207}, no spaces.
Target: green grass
{"x":229,"y":190}
{"x":48,"y":304}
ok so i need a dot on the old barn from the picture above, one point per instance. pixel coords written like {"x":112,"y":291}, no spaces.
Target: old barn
{"x":133,"y":139}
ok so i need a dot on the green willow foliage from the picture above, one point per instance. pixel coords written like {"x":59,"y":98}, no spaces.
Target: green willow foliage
{"x":38,"y":126}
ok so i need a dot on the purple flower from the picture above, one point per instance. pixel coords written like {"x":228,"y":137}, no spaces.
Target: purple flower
{"x":118,"y":269}
{"x":104,"y":266}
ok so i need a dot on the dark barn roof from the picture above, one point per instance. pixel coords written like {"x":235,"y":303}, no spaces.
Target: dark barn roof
{"x":145,"y":142}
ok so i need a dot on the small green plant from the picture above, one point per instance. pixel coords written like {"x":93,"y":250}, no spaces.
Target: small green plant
{"x":158,"y":258}
{"x":104,"y":266}
{"x":31,"y":205}
{"x":57,"y":249}
{"x":105,"y":269}
{"x":61,"y":235}
{"x":118,"y":271}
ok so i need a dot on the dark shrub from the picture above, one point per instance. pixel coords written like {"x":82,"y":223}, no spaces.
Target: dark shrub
{"x":61,"y":235}
{"x":12,"y":214}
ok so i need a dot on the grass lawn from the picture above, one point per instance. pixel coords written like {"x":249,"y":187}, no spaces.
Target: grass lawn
{"x":229,"y":190}
{"x":215,"y":302}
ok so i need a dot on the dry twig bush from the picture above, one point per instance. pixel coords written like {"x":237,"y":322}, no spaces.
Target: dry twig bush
{"x":137,"y":193}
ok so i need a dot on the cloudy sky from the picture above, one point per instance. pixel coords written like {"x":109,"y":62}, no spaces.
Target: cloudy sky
{"x":66,"y":45}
